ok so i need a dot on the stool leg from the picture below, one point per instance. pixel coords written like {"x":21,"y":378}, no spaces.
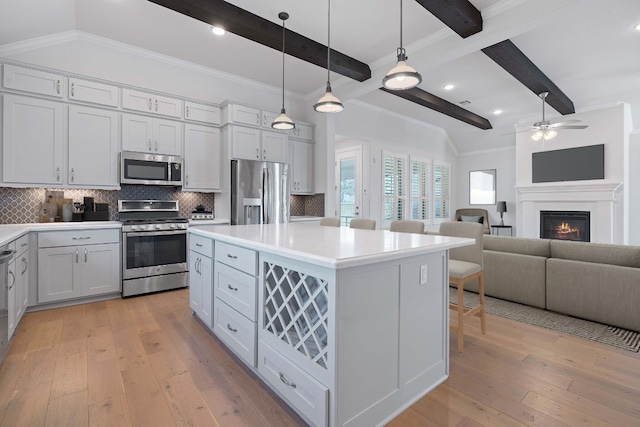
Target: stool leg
{"x":460,"y":309}
{"x":483,"y":323}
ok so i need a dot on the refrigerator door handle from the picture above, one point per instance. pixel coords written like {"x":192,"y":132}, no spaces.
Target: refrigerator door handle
{"x":264,"y":206}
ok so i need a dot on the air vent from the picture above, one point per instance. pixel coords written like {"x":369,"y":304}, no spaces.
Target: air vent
{"x":465,"y":102}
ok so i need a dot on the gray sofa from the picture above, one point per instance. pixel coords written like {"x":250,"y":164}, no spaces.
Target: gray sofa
{"x":598,"y":282}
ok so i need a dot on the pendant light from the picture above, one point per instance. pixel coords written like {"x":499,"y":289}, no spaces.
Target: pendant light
{"x":283,"y":122}
{"x":402,"y":76}
{"x":328,"y":103}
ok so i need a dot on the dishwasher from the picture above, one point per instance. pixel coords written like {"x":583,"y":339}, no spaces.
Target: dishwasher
{"x":5,"y":257}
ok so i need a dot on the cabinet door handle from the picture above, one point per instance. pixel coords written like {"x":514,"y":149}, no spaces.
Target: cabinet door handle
{"x":26,"y":266}
{"x":77,"y":255}
{"x":232,"y":288}
{"x":231,"y":329}
{"x":257,"y":118}
{"x":57,"y":174}
{"x":186,"y":179}
{"x":287,"y":383}
{"x":232,"y":256}
{"x":156,"y":145}
{"x":72,"y":174}
{"x":72,"y":89}
{"x":156,"y":105}
{"x":264,"y":157}
{"x":58,"y":87}
{"x":85,"y":255}
{"x":149,"y":104}
{"x":13,"y":279}
{"x":257,"y":153}
{"x":81,"y":238}
{"x":187,"y":111}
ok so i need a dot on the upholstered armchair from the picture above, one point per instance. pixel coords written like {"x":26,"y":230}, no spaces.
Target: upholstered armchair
{"x":474,"y":215}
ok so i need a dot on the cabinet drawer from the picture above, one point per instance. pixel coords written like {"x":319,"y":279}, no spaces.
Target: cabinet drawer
{"x":237,"y":332}
{"x":305,"y":393}
{"x":241,"y":258}
{"x":202,"y":245}
{"x":237,"y":289}
{"x":94,"y":92}
{"x":47,"y":239}
{"x":22,"y":245}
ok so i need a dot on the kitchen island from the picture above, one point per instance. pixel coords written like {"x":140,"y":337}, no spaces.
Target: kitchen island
{"x":348,"y":326}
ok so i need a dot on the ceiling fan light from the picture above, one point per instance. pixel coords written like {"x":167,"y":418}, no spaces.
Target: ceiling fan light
{"x":283,"y":122}
{"x":328,"y":103}
{"x":537,"y":136}
{"x":401,"y":77}
{"x":549,"y":134}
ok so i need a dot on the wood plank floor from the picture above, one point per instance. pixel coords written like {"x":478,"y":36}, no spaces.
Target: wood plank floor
{"x":146,"y":361}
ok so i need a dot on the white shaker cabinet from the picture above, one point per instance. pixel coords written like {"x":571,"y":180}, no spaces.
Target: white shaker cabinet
{"x":274,"y":146}
{"x":197,"y":112}
{"x":93,"y":92}
{"x":80,"y":263}
{"x":34,"y":81}
{"x":93,"y":147}
{"x":151,"y":135}
{"x":32,"y":154}
{"x":255,"y":144}
{"x":301,"y":167}
{"x":201,"y":278}
{"x":202,"y":159}
{"x":151,"y":103}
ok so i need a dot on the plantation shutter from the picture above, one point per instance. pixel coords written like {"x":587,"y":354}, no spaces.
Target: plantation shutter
{"x":441,"y":190}
{"x":420,"y":189}
{"x":394,"y":186}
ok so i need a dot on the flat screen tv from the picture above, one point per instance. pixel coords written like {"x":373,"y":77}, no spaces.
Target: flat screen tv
{"x":571,"y":164}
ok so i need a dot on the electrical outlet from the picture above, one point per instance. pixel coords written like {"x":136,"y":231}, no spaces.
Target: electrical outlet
{"x":423,"y":274}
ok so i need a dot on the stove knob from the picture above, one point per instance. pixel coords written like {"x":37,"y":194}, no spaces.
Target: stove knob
{"x":142,"y":227}
{"x":183,"y":225}
{"x":158,"y":227}
{"x":134,"y":227}
{"x":172,"y":226}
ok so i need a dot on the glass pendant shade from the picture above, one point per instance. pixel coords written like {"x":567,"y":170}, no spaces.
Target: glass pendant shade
{"x":283,"y":122}
{"x":328,"y":103}
{"x":402,"y":76}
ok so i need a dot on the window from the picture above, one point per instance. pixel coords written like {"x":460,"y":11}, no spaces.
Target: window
{"x":441,"y":190}
{"x":394,"y":186}
{"x":420,"y":189}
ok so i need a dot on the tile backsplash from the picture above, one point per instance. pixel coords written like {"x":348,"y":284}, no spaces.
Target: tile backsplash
{"x":312,"y":205}
{"x":21,"y":205}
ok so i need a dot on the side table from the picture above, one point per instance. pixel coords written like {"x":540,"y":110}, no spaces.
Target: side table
{"x":498,"y":227}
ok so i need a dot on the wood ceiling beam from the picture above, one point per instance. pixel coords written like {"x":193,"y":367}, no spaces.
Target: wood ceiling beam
{"x":431,"y":101}
{"x":508,"y":56}
{"x":459,"y":15}
{"x":255,"y":28}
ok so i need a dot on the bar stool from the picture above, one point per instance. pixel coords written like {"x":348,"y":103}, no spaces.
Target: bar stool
{"x":407,"y":226}
{"x":330,"y":221}
{"x":365,"y":224}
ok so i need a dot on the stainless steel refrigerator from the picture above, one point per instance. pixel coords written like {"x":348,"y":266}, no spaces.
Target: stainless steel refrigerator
{"x":259,"y":192}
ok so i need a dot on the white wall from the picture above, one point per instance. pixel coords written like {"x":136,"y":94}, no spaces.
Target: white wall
{"x":503,"y":161}
{"x":634,"y":189}
{"x":378,"y":131}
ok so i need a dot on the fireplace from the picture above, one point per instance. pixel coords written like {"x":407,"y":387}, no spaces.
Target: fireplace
{"x":565,"y":225}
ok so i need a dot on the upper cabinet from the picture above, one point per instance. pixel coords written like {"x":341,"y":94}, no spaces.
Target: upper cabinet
{"x":202,"y":162}
{"x":247,"y":115}
{"x":33,"y":141}
{"x":302,"y":131}
{"x":151,"y":135}
{"x":197,"y":112}
{"x":151,"y":103}
{"x":34,"y":81}
{"x":93,"y":92}
{"x":93,"y":147}
{"x":255,"y":144}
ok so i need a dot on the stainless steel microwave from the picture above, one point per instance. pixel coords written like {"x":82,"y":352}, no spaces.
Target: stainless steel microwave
{"x":150,"y":169}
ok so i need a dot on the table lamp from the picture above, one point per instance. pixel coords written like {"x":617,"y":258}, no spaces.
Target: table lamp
{"x":502,"y":208}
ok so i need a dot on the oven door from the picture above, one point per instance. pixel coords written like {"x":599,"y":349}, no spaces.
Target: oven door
{"x":153,"y":253}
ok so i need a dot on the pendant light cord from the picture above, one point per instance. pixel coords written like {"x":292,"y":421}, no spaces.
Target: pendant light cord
{"x":283,"y":45}
{"x":401,"y":25}
{"x":329,"y":43}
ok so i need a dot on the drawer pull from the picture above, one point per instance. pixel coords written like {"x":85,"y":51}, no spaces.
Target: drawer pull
{"x":81,"y":238}
{"x":23,"y":245}
{"x":231,"y":329}
{"x":287,"y":383}
{"x":232,"y":288}
{"x":199,"y":245}
{"x":232,"y":256}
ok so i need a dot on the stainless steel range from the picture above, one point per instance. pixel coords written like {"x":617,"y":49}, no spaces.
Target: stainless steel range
{"x":154,"y":251}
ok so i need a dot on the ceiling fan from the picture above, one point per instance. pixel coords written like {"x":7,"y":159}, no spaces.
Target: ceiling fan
{"x":546,"y":129}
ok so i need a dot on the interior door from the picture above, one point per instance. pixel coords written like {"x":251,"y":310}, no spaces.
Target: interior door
{"x":348,"y":184}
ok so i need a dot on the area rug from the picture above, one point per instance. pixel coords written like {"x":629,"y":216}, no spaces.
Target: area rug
{"x":597,"y":332}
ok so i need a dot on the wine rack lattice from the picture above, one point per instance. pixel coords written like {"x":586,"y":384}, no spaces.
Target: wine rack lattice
{"x":295,"y":310}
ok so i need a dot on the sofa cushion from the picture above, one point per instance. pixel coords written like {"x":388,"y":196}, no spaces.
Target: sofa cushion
{"x":515,"y":277}
{"x":601,"y":253}
{"x":517,"y":245}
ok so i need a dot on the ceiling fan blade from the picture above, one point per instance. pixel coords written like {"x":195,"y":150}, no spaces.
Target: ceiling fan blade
{"x":571,"y":127}
{"x":519,"y":131}
{"x":556,"y":124}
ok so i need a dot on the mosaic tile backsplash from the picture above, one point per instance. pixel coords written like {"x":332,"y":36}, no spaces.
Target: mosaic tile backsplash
{"x":21,"y":205}
{"x":307,"y":205}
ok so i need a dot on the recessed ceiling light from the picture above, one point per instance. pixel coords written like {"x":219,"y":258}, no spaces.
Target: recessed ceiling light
{"x":218,"y":31}
{"x":636,"y":27}
{"x":448,"y":86}
{"x":497,"y":111}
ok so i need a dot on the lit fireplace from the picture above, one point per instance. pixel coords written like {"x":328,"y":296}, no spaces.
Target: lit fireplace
{"x":565,"y":225}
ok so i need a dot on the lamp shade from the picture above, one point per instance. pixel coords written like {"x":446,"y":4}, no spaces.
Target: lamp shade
{"x":501,"y":207}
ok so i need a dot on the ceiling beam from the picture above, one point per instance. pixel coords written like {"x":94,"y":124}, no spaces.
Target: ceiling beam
{"x":459,"y":15}
{"x":245,"y":24}
{"x":431,"y":101}
{"x":516,"y":63}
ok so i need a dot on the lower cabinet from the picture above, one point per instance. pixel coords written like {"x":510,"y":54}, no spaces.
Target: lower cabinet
{"x":18,"y":285}
{"x":201,"y":278}
{"x":67,"y":270}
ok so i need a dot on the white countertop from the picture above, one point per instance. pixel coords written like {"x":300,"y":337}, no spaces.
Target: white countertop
{"x":333,"y":247}
{"x":216,"y":221}
{"x":305,"y":218}
{"x":10,"y":232}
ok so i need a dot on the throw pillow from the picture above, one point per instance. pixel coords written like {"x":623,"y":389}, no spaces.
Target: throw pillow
{"x":469,"y":218}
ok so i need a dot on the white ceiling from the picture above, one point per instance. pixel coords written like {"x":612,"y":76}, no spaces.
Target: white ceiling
{"x":587,"y":47}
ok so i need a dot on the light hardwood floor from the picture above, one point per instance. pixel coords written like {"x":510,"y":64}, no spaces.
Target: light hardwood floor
{"x":146,"y":361}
